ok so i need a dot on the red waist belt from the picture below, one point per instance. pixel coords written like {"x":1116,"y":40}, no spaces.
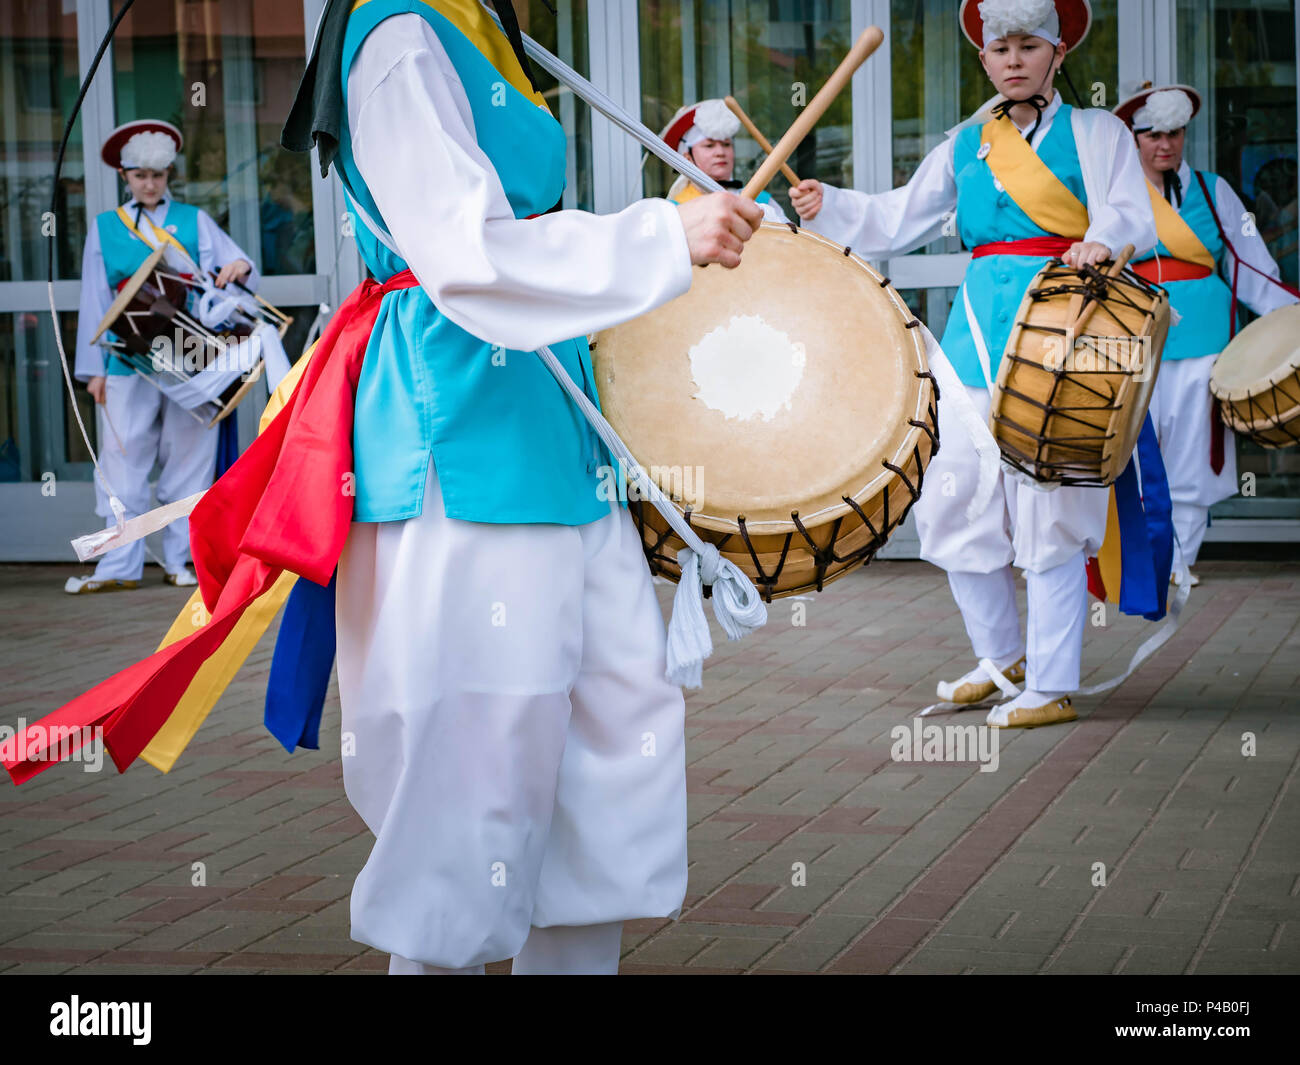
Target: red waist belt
{"x":1158,"y":271}
{"x":1054,"y":247}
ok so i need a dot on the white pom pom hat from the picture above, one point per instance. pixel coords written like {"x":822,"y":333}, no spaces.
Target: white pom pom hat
{"x":1160,"y":110}
{"x":148,"y":142}
{"x":708,"y":119}
{"x":985,"y":21}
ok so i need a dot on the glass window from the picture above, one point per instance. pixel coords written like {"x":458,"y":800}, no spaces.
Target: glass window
{"x":563,"y":32}
{"x":38,"y":84}
{"x":224,"y":72}
{"x":771,"y":55}
{"x":1241,"y":56}
{"x":38,"y":433}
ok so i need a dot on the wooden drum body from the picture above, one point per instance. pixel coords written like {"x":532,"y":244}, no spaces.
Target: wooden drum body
{"x":1256,"y":380}
{"x":1068,"y":406}
{"x":786,"y":406}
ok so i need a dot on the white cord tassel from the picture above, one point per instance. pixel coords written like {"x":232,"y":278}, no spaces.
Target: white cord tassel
{"x":736,"y":602}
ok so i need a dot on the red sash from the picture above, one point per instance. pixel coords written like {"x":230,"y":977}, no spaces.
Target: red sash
{"x":1054,"y":247}
{"x":284,"y":505}
{"x":1163,"y":269}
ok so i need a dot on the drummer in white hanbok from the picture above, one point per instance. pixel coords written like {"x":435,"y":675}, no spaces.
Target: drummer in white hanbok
{"x":1194,"y":211}
{"x":138,"y":425}
{"x":509,"y":734}
{"x":705,"y":133}
{"x":1029,"y":178}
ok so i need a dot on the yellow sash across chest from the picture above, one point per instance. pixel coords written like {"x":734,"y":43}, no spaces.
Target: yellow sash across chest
{"x":1176,"y":235}
{"x":1044,"y":197}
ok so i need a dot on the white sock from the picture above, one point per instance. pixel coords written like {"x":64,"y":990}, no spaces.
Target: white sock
{"x":1031,"y":698}
{"x":399,"y":966}
{"x":571,"y":950}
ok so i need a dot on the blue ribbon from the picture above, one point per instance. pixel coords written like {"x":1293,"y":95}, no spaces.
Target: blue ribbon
{"x":301,"y":665}
{"x":1145,"y":513}
{"x":227,"y":445}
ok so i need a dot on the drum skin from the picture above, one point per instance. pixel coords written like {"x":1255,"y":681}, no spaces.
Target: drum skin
{"x":786,"y":406}
{"x":1076,"y":421}
{"x":1256,"y":379}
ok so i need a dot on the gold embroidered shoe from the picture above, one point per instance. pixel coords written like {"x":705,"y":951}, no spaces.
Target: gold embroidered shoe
{"x":1011,"y":715}
{"x":976,"y":686}
{"x":87,"y":585}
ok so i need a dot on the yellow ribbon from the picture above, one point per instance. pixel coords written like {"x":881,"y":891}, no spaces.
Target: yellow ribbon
{"x":215,"y":675}
{"x":1109,"y":555}
{"x":1176,"y":235}
{"x":1044,"y":197}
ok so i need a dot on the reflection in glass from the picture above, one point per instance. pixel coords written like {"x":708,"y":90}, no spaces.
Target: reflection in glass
{"x":225,"y":74}
{"x":772,"y":56}
{"x":38,"y":84}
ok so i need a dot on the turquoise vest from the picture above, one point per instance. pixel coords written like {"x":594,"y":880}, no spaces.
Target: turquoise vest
{"x":1205,"y":303}
{"x":507,"y":443}
{"x":996,"y":284}
{"x":124,"y":252}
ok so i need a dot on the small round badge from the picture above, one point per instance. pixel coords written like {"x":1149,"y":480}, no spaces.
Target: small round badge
{"x":985,"y":148}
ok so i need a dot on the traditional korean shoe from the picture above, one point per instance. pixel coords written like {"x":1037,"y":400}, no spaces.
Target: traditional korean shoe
{"x":87,"y":585}
{"x":1031,"y":709}
{"x":1193,"y":579}
{"x":976,"y":686}
{"x":182,"y":578}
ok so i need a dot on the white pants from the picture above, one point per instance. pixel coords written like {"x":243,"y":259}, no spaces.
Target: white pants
{"x":1180,"y":410}
{"x":138,"y":425}
{"x":1047,"y":534}
{"x":509,"y":736}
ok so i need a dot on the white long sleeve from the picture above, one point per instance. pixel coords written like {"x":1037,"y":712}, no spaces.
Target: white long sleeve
{"x":521,"y":283}
{"x":1260,"y":295}
{"x":96,"y":298}
{"x":892,"y":223}
{"x":217,"y":248}
{"x":1119,"y":206}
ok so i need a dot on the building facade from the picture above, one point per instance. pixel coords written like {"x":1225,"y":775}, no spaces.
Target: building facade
{"x":225,"y":71}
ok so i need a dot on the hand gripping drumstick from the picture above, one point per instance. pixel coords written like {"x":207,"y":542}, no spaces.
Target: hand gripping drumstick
{"x":1091,"y":306}
{"x":763,"y":142}
{"x":870,"y":40}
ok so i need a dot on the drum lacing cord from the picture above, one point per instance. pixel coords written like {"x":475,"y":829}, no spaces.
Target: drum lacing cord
{"x":736,"y":602}
{"x":1258,"y":412}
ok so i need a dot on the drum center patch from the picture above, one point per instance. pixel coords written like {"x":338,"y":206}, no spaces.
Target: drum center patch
{"x":747,"y":369}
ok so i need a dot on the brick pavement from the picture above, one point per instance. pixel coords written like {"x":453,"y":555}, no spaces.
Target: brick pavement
{"x":812,"y":850}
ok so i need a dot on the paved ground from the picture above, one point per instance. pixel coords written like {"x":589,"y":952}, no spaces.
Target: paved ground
{"x":812,"y":849}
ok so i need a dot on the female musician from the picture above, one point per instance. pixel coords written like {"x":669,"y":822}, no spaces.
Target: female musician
{"x":1029,"y":178}
{"x":137,"y":424}
{"x":705,"y":133}
{"x":1194,"y":211}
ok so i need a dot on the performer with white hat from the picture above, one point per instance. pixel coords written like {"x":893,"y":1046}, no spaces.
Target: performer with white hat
{"x":1029,"y":178}
{"x":705,"y":133}
{"x":137,"y":424}
{"x":1199,"y":220}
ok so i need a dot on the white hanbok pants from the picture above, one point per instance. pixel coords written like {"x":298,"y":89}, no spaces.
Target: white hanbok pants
{"x":1048,"y":534}
{"x":137,"y":426}
{"x":1180,"y":409}
{"x":508,"y":733}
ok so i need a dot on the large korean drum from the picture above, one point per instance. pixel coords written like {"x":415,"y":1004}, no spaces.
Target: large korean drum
{"x":785,"y":406}
{"x":1256,"y":379}
{"x":1072,"y":394}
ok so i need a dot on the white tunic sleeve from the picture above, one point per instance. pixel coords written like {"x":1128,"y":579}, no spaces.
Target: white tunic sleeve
{"x":876,"y":225}
{"x":96,"y":298}
{"x":1119,"y":207}
{"x":217,"y":248}
{"x":1257,"y":293}
{"x":520,"y":283}
{"x":772,"y":212}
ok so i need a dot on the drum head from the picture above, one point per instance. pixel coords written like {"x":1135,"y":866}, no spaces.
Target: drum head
{"x":776,"y":387}
{"x":128,"y":292}
{"x":1263,"y":354}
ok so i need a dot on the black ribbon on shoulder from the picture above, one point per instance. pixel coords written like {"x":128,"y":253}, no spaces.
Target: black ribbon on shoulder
{"x":1037,"y":102}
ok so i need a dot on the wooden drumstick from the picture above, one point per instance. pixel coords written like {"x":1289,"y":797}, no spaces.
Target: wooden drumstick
{"x":763,"y":142}
{"x":1121,"y":260}
{"x":870,"y":40}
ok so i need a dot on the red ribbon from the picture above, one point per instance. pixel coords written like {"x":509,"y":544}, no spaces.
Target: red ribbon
{"x":284,"y":505}
{"x":1158,"y":271}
